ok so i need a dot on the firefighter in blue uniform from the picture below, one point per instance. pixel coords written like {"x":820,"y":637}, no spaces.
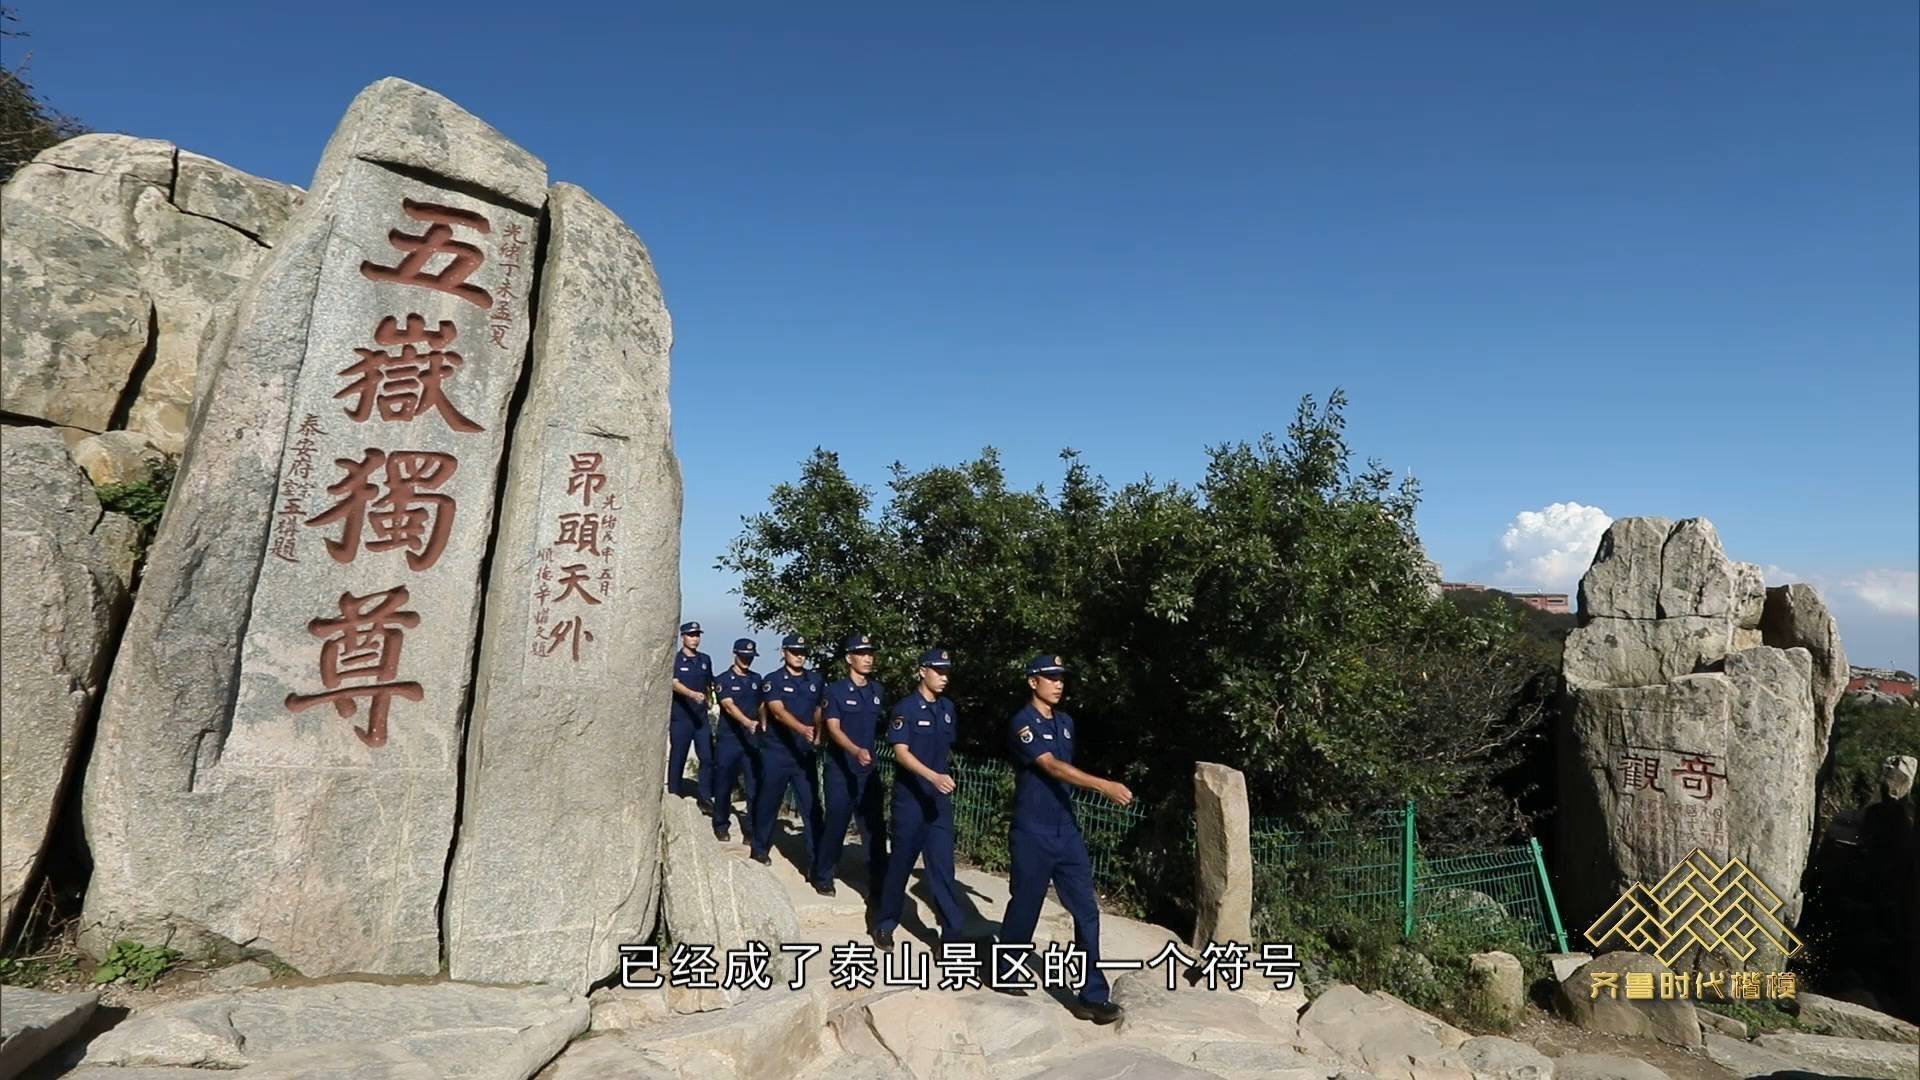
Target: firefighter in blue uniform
{"x":692,"y":678}
{"x":851,"y":721}
{"x":792,"y":694}
{"x":922,"y":732}
{"x":736,"y":741}
{"x":1045,"y":841}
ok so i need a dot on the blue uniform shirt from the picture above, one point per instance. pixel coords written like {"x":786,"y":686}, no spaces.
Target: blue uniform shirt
{"x":801,"y":694}
{"x":695,"y":673}
{"x":927,"y":730}
{"x":744,"y":692}
{"x":1039,"y":800}
{"x":858,"y":710}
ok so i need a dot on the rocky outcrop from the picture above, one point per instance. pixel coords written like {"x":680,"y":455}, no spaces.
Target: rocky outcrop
{"x":1500,"y":985}
{"x":1675,"y":737}
{"x":1832,"y":1055}
{"x":1609,"y":1011}
{"x":1830,"y":1016}
{"x":558,"y":858}
{"x":118,"y":457}
{"x":122,"y":256}
{"x":65,"y":569}
{"x":1223,"y":856}
{"x":774,"y":1034}
{"x":712,"y":896}
{"x":34,"y":1022}
{"x":279,"y":749}
{"x":435,"y":1030}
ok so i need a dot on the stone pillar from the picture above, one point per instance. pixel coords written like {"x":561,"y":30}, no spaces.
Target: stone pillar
{"x":558,"y":858}
{"x":1223,"y":856}
{"x":278,"y":753}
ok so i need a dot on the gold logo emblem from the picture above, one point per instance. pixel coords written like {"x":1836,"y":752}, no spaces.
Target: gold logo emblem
{"x":1700,"y":903}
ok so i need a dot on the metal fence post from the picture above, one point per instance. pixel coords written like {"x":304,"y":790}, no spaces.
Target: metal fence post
{"x":1406,"y":873}
{"x":1546,"y":890}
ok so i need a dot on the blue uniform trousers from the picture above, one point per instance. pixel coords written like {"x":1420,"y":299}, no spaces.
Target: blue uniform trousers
{"x":851,"y":793}
{"x":1056,"y":854}
{"x":781,"y":770}
{"x":922,"y":828}
{"x":690,"y":730}
{"x":734,"y":760}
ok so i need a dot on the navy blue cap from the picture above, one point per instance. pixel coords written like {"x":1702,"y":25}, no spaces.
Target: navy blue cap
{"x":745,"y":647}
{"x":794,"y":641}
{"x":857,"y":643}
{"x":1046,"y":664}
{"x":690,"y":628}
{"x":935,"y":658}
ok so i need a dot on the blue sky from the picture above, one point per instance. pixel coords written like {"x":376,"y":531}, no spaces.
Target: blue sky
{"x":1568,"y":264}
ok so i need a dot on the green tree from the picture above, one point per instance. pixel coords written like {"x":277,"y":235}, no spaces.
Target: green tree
{"x":1277,"y":617}
{"x":28,"y":125}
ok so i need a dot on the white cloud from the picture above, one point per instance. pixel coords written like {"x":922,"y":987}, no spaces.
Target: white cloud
{"x":1550,"y":548}
{"x":1888,"y":592}
{"x":1780,"y":575}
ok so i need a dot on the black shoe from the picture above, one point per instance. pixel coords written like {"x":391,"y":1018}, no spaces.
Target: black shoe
{"x":1012,"y":991}
{"x":763,"y":858}
{"x":883,"y":939}
{"x":721,"y":834}
{"x":826,"y":889}
{"x":1100,"y":1012}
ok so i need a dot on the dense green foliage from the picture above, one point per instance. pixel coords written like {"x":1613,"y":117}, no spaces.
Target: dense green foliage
{"x":28,"y":125}
{"x":143,"y":501}
{"x":1276,"y":617}
{"x":1865,"y":735}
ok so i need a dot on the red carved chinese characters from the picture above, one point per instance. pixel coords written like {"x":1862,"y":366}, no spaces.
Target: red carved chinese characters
{"x":405,"y":384}
{"x":363,"y":645}
{"x":437,"y":240}
{"x":587,"y":532}
{"x":405,"y":513}
{"x":1697,"y":776}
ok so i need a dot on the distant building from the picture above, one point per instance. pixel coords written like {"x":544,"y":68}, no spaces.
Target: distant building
{"x":1881,"y":680}
{"x":1553,"y":603}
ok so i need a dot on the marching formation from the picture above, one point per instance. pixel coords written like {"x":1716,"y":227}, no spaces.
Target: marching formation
{"x":768,"y":735}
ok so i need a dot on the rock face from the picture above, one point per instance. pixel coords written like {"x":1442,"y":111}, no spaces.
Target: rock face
{"x":1223,"y":871}
{"x":1502,"y":984}
{"x":1835,"y":1056}
{"x":64,"y":566}
{"x":122,"y":256}
{"x":436,"y":1030}
{"x":1378,"y":1035}
{"x":713,"y":896}
{"x":118,"y":457}
{"x":1676,"y":738}
{"x":558,"y":858}
{"x":1852,"y":1021}
{"x":775,"y":1034}
{"x":278,"y":752}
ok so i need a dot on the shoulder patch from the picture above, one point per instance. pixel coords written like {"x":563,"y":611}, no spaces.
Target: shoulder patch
{"x":1026,"y":734}
{"x":898,"y":723}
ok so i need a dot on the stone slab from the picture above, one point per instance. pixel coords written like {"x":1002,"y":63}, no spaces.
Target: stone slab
{"x":33,"y":1023}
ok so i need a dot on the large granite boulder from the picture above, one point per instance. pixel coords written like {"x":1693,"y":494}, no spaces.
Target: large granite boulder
{"x":278,"y":754}
{"x":1604,"y":1006}
{"x":64,"y":578}
{"x":1676,"y":737}
{"x":121,"y":256}
{"x":1831,"y":1016}
{"x":1834,"y":1055}
{"x":558,"y":858}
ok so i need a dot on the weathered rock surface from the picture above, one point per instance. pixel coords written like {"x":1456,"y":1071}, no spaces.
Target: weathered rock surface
{"x":1120,"y":1063}
{"x":121,"y":255}
{"x":558,"y":858}
{"x":1223,"y":855}
{"x":771,"y":1034}
{"x":1604,"y":1067}
{"x":1378,"y":1035}
{"x":456,"y":1030}
{"x":64,"y":566}
{"x":1566,"y":963}
{"x":1501,"y":986}
{"x":1178,"y":1023}
{"x":243,"y":974}
{"x":1836,"y":1017}
{"x":1673,"y":1022}
{"x":278,"y":752}
{"x":1675,"y":738}
{"x":1745,"y":1060}
{"x":1897,"y":774}
{"x":1490,"y":1057}
{"x":714,"y":895}
{"x":118,"y":457}
{"x":1837,"y":1056}
{"x":34,"y":1022}
{"x":1711,"y":1021}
